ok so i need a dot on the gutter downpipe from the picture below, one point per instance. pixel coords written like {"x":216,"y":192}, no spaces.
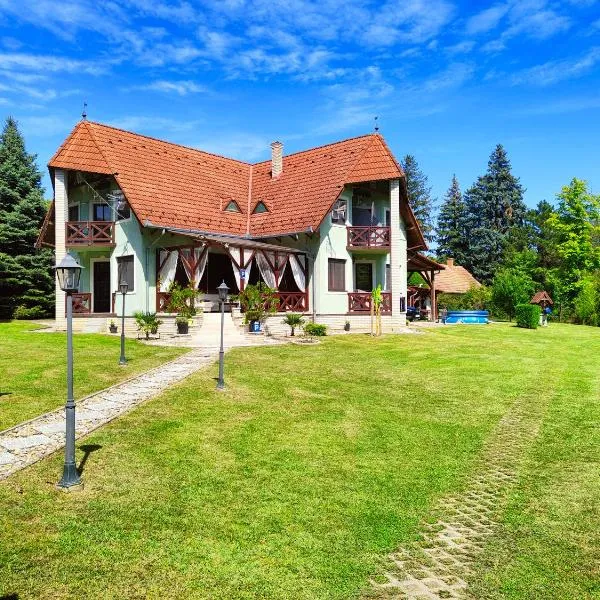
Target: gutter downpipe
{"x":148,"y":248}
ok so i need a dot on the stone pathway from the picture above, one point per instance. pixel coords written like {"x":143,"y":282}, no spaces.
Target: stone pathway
{"x":439,"y":565}
{"x":31,"y":441}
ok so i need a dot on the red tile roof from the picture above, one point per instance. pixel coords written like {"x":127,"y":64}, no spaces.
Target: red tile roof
{"x":454,"y":279}
{"x":176,"y":186}
{"x":541,"y":297}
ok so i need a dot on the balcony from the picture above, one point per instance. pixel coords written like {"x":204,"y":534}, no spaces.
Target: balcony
{"x":90,"y":233}
{"x":82,"y":303}
{"x":368,"y":238}
{"x":360,"y":303}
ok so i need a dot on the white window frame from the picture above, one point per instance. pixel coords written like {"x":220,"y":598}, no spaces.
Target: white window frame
{"x":116,"y":288}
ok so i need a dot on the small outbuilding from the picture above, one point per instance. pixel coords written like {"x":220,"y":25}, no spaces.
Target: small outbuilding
{"x":542,"y":299}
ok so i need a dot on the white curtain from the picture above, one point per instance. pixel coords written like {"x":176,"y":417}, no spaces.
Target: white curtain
{"x":265,"y":268}
{"x":297,"y":263}
{"x":192,"y":256}
{"x":166,"y":275}
{"x":236,"y":255}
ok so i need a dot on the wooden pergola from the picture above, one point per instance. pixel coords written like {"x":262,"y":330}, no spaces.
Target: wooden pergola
{"x":426,"y":268}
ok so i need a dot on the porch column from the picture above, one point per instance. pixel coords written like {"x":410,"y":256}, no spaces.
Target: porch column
{"x":398,"y":255}
{"x":61,"y":206}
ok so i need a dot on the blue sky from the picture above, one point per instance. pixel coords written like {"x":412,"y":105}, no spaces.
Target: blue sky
{"x":448,"y":79}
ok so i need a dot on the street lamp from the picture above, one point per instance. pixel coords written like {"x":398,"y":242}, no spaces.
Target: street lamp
{"x":123,"y":287}
{"x":222,"y":289}
{"x":68,"y":273}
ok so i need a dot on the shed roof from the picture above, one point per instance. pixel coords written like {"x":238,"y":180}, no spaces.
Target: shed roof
{"x":455,"y":279}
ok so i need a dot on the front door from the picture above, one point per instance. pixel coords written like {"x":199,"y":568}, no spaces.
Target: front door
{"x":101,"y":291}
{"x":363,"y":276}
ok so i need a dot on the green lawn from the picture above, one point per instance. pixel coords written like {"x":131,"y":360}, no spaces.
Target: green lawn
{"x":33,"y":367}
{"x":315,"y":463}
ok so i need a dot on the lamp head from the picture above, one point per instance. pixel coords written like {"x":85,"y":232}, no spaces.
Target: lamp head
{"x":223,"y":290}
{"x":68,"y":272}
{"x":123,"y":287}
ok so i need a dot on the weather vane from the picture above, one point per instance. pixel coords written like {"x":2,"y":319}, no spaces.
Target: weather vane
{"x":376,"y":124}
{"x":84,"y":112}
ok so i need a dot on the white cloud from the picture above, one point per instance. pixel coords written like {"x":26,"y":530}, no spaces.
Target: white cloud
{"x":461,"y":48}
{"x":486,"y":20}
{"x":46,"y":63}
{"x":560,"y":70}
{"x":182,"y":88}
{"x":555,"y":107}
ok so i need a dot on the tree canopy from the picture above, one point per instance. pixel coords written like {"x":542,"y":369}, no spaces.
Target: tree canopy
{"x":451,"y":238}
{"x":26,"y":279}
{"x":419,"y":195}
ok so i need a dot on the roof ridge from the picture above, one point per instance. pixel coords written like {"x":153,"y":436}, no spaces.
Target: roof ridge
{"x":356,"y":137}
{"x":155,"y":139}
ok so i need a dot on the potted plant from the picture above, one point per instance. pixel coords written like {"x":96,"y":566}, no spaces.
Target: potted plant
{"x":113,"y":326}
{"x":257,"y":301}
{"x":182,"y":301}
{"x":147,"y":323}
{"x":347,"y":326}
{"x":293,"y":320}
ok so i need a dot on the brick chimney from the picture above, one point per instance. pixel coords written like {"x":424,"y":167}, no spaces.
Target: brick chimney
{"x":450,"y":262}
{"x":276,"y":159}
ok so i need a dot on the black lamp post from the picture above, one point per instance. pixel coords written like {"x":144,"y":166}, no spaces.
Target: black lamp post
{"x":222,"y":289}
{"x":68,"y":272}
{"x":123,"y":287}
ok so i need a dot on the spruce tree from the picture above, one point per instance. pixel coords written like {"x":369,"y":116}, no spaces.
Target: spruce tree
{"x":26,"y":279}
{"x":494,"y":206}
{"x":419,"y":195}
{"x":451,"y":238}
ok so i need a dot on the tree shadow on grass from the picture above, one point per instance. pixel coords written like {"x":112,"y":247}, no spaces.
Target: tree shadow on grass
{"x":10,"y":597}
{"x":4,"y":394}
{"x":87,"y":450}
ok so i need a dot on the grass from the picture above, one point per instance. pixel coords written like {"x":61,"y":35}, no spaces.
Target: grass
{"x":33,"y":367}
{"x":313,"y":465}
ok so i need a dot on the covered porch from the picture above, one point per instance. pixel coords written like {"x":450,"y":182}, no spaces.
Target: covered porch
{"x":419,"y":297}
{"x":210,"y":259}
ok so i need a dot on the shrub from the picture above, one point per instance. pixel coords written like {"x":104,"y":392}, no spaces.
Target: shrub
{"x":147,"y":322}
{"x":293,"y":320}
{"x":257,"y":302}
{"x":33,"y":312}
{"x":528,"y":315}
{"x":315,"y":329}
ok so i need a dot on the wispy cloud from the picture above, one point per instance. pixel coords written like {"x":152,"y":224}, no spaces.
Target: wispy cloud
{"x":487,"y":19}
{"x":561,"y":106}
{"x":559,"y":70}
{"x":181,"y":88}
{"x":48,"y":64}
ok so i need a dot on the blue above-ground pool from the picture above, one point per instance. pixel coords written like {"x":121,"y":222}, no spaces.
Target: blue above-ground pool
{"x":467,"y":316}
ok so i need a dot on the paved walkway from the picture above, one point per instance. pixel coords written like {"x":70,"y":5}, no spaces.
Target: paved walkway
{"x":31,"y":441}
{"x":439,"y":566}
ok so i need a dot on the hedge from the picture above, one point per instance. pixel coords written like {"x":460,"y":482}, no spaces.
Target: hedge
{"x":528,"y":315}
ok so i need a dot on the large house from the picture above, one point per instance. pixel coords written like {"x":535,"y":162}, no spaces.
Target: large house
{"x":323,"y":226}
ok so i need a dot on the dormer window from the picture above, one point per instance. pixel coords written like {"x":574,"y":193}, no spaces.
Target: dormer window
{"x":232,"y":206}
{"x":260,"y":208}
{"x":338,"y":214}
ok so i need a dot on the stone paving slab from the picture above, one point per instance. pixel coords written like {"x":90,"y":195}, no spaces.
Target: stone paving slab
{"x":25,"y":444}
{"x":439,"y":566}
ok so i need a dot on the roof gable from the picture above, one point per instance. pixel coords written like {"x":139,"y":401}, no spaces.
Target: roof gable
{"x":176,"y":186}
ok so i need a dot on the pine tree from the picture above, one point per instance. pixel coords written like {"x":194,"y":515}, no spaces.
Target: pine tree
{"x":26,"y":278}
{"x":419,"y":195}
{"x":451,"y":237}
{"x":494,"y":206}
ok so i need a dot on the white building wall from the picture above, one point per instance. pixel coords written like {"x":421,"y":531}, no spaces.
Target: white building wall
{"x":398,"y":255}
{"x":61,"y":207}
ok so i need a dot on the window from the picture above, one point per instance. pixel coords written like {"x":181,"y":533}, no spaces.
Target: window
{"x":260,"y":208}
{"x":232,"y":206}
{"x":388,"y":217}
{"x":102,"y":212}
{"x":388,"y":277}
{"x":74,"y":212}
{"x":125,"y":271}
{"x":337,"y":275}
{"x":338,"y":214}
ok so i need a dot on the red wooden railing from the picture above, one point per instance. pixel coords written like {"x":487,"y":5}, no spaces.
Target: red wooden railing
{"x":82,"y":303}
{"x":360,"y":302}
{"x":162,"y":301}
{"x":368,"y":237}
{"x":90,"y":233}
{"x":292,"y":301}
